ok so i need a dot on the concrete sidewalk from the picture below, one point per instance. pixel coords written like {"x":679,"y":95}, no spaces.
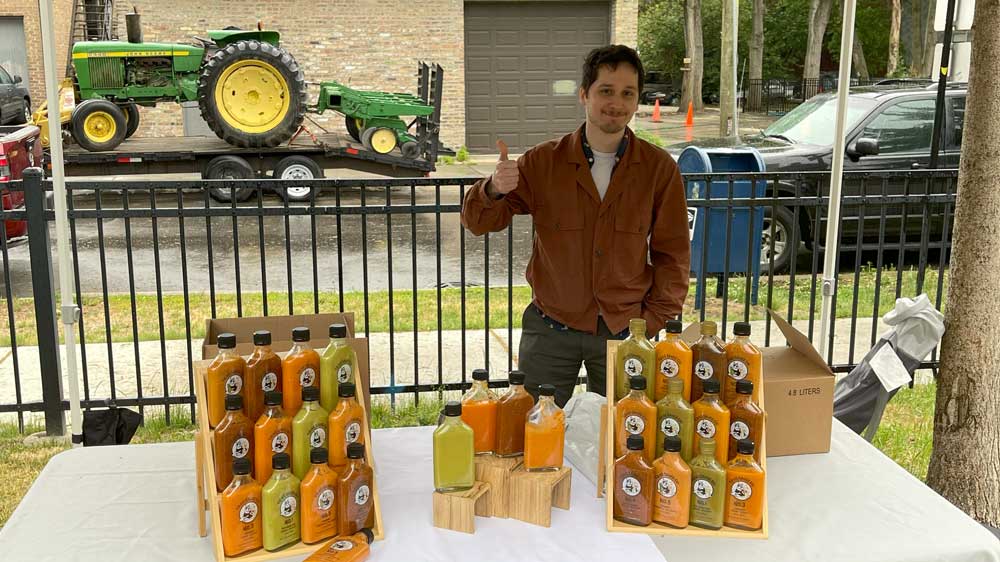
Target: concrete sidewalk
{"x":402,"y":367}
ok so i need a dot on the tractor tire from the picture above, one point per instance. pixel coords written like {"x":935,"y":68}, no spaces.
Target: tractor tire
{"x":229,"y":167}
{"x":410,"y":150}
{"x":354,"y":127}
{"x":131,"y":118}
{"x":379,"y":139}
{"x":252,"y":94}
{"x":98,"y":125}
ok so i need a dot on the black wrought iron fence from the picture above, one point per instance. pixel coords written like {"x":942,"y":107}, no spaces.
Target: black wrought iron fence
{"x":153,"y":259}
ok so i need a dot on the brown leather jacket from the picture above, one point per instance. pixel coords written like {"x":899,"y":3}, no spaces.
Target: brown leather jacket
{"x":624,"y":257}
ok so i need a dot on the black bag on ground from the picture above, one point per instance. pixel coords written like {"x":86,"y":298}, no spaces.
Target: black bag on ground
{"x":113,"y":426}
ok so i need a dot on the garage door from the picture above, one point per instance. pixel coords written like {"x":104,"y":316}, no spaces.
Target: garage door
{"x":12,"y":53}
{"x":522,"y":69}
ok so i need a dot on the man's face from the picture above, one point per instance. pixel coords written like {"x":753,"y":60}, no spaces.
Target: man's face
{"x":613,"y":98}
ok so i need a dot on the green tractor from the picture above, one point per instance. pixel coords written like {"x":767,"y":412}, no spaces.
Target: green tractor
{"x":251,"y":92}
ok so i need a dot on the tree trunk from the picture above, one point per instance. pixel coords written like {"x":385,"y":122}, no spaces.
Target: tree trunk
{"x":755,"y":85}
{"x":926,"y":67}
{"x":819,"y":16}
{"x":894,"y":23}
{"x":858,"y":58}
{"x":695,"y":46}
{"x":965,"y":462}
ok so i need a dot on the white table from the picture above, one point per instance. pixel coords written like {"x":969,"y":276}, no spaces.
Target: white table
{"x":136,"y":503}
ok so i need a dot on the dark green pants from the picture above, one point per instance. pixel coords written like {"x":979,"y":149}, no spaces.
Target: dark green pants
{"x":551,"y":353}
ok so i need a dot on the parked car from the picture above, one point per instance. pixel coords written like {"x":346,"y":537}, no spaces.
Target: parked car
{"x":15,"y":103}
{"x":656,"y":86}
{"x":888,"y":129}
{"x":19,"y":149}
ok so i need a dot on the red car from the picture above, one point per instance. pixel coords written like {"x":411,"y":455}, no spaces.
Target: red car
{"x":19,"y":149}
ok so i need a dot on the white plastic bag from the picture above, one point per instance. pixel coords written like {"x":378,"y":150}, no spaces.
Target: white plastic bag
{"x":583,"y":432}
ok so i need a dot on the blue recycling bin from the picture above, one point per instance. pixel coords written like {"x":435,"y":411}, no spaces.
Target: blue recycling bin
{"x":745,"y":223}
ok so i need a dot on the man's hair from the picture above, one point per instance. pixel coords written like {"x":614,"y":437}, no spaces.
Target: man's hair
{"x":610,"y":56}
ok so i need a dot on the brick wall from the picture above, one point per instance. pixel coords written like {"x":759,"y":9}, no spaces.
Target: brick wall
{"x":28,"y":10}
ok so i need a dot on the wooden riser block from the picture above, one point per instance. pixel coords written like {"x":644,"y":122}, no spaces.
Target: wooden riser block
{"x":457,"y":510}
{"x":534,"y":494}
{"x":496,"y":472}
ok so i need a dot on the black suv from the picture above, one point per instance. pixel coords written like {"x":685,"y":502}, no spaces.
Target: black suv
{"x":888,"y":129}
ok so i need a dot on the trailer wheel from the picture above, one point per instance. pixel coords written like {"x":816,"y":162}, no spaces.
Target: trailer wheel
{"x":98,"y":125}
{"x":131,"y":118}
{"x":229,"y":168}
{"x":354,"y":126}
{"x":297,"y":168}
{"x":379,"y":139}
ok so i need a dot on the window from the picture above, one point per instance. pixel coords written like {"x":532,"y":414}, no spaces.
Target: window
{"x":903,"y":127}
{"x":957,"y":121}
{"x":4,"y":77}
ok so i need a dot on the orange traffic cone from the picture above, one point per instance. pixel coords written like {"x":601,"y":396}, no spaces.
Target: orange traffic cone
{"x":656,"y":112}
{"x":689,"y":122}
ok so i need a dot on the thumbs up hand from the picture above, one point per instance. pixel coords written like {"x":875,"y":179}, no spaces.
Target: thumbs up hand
{"x":505,"y":176}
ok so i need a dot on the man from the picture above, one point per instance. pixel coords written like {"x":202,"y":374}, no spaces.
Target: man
{"x":611,"y":232}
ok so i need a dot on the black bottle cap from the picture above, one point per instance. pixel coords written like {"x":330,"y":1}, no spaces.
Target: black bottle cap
{"x":516,"y":377}
{"x":744,"y":387}
{"x":635,"y":443}
{"x":345,"y":390}
{"x":226,"y":341}
{"x":546,"y":390}
{"x":480,"y":375}
{"x":453,"y":408}
{"x":300,"y":334}
{"x":241,"y":466}
{"x":234,"y":402}
{"x":280,"y":461}
{"x":338,"y":331}
{"x":369,"y":535}
{"x":637,"y":383}
{"x":310,"y":393}
{"x":272,"y":398}
{"x":262,"y":337}
{"x":319,"y":455}
{"x":355,"y":451}
{"x":710,"y":386}
{"x":674,"y":326}
{"x":741,"y":328}
{"x":744,"y":447}
{"x":672,"y":443}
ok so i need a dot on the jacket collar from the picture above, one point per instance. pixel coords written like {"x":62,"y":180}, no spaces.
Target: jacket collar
{"x":581,"y":153}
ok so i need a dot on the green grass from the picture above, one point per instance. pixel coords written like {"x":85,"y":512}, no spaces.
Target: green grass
{"x":175,"y":323}
{"x":905,"y":436}
{"x":650,"y":137}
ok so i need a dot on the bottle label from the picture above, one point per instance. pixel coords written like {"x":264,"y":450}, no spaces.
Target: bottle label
{"x":241,"y":447}
{"x":739,"y":430}
{"x":631,"y":486}
{"x":703,"y":488}
{"x":279,"y":442}
{"x":633,"y":367}
{"x":317,"y":437}
{"x":705,"y":428}
{"x":344,"y":372}
{"x":352,"y":432}
{"x":669,"y":368}
{"x":670,"y":427}
{"x":666,"y":487}
{"x":288,"y":506}
{"x":324,"y":500}
{"x":234,"y":384}
{"x":704,"y":370}
{"x":269,"y":382}
{"x":634,"y":424}
{"x":307,"y":377}
{"x":738,"y":370}
{"x":248,"y":512}
{"x":361,"y":496}
{"x":741,"y":490}
{"x":342,"y":545}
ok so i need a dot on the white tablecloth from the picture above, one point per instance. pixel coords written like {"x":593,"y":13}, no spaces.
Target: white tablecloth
{"x":137,"y":503}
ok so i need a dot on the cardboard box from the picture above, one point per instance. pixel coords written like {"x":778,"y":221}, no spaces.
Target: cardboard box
{"x":281,"y":337}
{"x":799,"y":388}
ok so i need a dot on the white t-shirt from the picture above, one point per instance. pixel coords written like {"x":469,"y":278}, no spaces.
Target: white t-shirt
{"x":604,"y":164}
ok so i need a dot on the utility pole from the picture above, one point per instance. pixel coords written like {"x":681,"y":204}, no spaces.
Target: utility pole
{"x":728,"y":109}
